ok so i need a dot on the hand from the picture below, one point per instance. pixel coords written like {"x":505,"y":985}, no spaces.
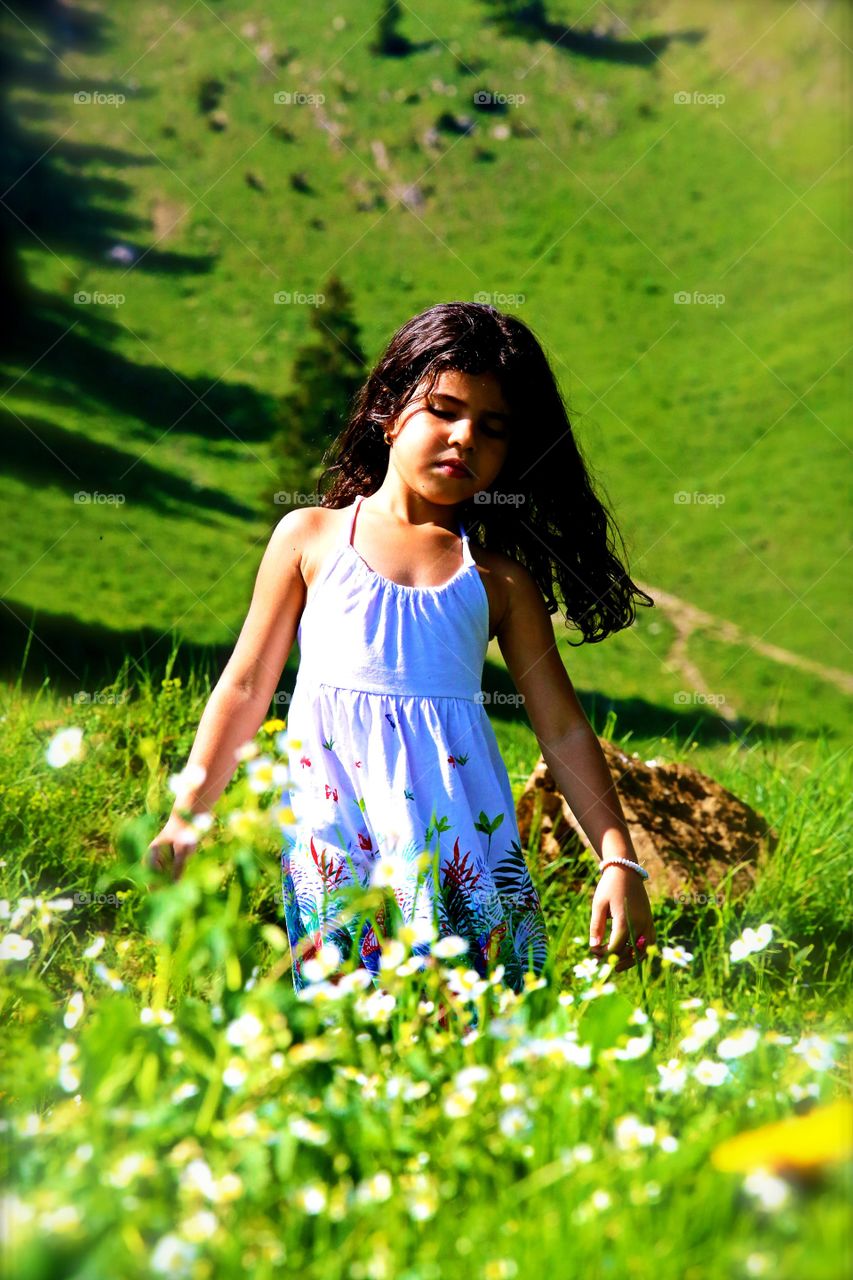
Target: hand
{"x":169,"y":850}
{"x":621,"y":893}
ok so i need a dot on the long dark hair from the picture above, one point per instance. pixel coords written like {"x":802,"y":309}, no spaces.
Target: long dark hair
{"x":555,"y":524}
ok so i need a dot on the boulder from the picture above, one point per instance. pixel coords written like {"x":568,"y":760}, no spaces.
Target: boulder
{"x":687,"y":830}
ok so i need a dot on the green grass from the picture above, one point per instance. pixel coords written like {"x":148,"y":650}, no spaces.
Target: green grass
{"x":430,"y":1181}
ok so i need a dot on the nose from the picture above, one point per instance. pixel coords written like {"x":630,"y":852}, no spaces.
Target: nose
{"x":462,"y":432}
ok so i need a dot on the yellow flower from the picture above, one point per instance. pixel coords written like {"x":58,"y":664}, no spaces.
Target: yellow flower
{"x":272,"y":726}
{"x":797,"y":1142}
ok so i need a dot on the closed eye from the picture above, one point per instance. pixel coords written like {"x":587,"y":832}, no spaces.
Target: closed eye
{"x":449,"y":415}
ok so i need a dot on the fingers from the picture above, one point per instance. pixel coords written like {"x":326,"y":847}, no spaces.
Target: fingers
{"x":597,"y":924}
{"x":634,"y":954}
{"x":155,"y":858}
{"x":629,"y":954}
{"x":167,"y":858}
{"x":182,"y":852}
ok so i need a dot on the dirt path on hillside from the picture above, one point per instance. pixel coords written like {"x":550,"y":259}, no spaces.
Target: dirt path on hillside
{"x":687,"y":618}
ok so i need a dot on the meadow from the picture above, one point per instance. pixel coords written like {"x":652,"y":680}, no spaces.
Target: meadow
{"x":174,"y":1108}
{"x":170,"y":1106}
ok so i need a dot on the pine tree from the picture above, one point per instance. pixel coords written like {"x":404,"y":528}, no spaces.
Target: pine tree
{"x":327,"y":371}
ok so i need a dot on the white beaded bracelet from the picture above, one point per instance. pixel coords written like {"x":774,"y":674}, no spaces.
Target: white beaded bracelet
{"x":625,"y":862}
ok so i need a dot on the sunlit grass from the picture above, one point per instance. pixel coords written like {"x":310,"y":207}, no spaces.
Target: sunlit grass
{"x":173,"y":1107}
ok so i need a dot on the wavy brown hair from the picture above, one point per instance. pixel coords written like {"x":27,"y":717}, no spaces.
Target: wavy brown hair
{"x":555,"y":525}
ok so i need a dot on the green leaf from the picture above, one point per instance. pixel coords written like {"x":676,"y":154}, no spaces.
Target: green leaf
{"x":604,"y":1021}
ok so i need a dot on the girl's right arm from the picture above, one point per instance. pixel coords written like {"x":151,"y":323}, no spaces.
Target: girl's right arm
{"x":240,"y":701}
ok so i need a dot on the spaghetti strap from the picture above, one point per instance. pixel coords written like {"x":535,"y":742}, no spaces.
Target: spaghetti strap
{"x":349,"y":531}
{"x":467,"y":558}
{"x":350,"y":528}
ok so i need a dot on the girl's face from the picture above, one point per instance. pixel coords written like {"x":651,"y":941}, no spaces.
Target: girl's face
{"x":464,"y":418}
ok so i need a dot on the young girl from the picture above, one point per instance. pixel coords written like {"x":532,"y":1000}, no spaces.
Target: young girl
{"x":397,"y":775}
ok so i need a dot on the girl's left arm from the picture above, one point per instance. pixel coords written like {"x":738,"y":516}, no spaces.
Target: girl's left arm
{"x":577,"y":763}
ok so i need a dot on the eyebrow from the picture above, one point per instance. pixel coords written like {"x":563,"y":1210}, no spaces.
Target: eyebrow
{"x":490,"y":413}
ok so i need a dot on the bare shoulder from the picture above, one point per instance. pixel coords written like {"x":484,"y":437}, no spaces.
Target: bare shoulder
{"x":507,"y":581}
{"x":306,"y":533}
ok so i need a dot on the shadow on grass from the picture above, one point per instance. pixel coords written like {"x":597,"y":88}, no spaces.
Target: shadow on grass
{"x":532,"y":23}
{"x":40,"y":452}
{"x":70,"y":348}
{"x":640,"y":717}
{"x":38,"y":644}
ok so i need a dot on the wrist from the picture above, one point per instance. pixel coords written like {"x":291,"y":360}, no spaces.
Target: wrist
{"x":189,"y":812}
{"x":623,"y":864}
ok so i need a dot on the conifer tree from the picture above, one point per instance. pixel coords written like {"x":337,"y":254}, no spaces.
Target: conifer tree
{"x":327,"y":371}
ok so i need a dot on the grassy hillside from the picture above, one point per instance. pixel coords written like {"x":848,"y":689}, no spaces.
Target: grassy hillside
{"x":597,"y":199}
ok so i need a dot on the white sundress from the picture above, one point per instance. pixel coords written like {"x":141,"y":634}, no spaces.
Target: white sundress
{"x":391,"y":754}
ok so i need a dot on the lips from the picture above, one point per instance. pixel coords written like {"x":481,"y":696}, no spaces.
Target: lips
{"x":456,"y":466}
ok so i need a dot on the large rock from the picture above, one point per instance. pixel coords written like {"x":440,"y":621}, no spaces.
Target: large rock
{"x":687,"y":830}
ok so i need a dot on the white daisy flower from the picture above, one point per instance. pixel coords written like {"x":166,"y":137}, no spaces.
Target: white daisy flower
{"x":307,"y":1131}
{"x":738,"y":1043}
{"x":770,"y":1192}
{"x":751,"y":940}
{"x":392,"y":955}
{"x":815,"y":1051}
{"x":235,"y":1074}
{"x":73,"y":1011}
{"x":450,"y":945}
{"x":172,"y":1255}
{"x":199,"y":1226}
{"x":65,"y":747}
{"x":14,"y":947}
{"x":711,"y":1073}
{"x":635,"y":1047}
{"x":629,"y":1133}
{"x":513,"y":1121}
{"x":244,"y":1030}
{"x":699,"y":1034}
{"x":311,"y":1198}
{"x":676,"y":955}
{"x":469,"y":1076}
{"x":190,"y":777}
{"x":672,"y":1076}
{"x":324,"y":962}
